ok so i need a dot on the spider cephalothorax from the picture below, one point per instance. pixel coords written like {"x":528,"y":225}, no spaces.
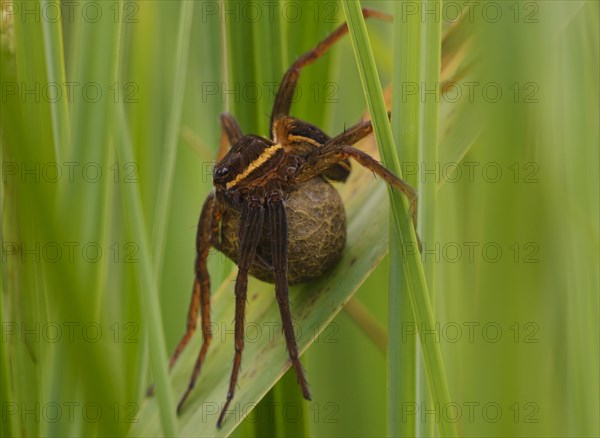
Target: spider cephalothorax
{"x":274,"y":213}
{"x":261,"y":169}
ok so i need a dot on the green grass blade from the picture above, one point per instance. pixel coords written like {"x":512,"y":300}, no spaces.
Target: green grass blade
{"x":412,"y":267}
{"x":91,"y":125}
{"x":428,"y":144}
{"x":9,"y":426}
{"x":368,"y":323}
{"x":371,"y":85}
{"x":148,"y":286}
{"x":293,"y":422}
{"x":402,"y":351}
{"x":242,"y":56}
{"x":55,"y":64}
{"x":428,"y":157}
{"x":165,"y":188}
{"x":53,"y":291}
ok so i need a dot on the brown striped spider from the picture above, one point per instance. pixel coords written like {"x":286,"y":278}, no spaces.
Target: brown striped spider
{"x":274,"y":213}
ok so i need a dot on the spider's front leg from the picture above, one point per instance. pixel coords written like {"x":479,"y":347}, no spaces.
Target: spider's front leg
{"x":285,"y":93}
{"x":249,"y":236}
{"x":339,"y":148}
{"x":279,"y":248}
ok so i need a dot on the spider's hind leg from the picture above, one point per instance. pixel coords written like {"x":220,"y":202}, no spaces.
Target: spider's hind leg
{"x":338,"y":149}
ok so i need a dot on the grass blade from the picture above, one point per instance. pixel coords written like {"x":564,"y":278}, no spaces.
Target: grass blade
{"x":412,"y":265}
{"x":148,"y":286}
{"x":402,"y":351}
{"x":165,"y":188}
{"x":428,"y":157}
{"x":55,"y":64}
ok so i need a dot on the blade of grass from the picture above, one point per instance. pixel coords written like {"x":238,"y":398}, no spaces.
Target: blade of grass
{"x":91,"y":124}
{"x":9,"y":426}
{"x":148,"y":287}
{"x":165,"y":188}
{"x":412,"y":266}
{"x":428,"y":158}
{"x":369,"y":324}
{"x":402,"y":351}
{"x":55,"y":65}
{"x":428,"y":138}
{"x":262,"y":427}
{"x":55,"y":291}
{"x":287,"y":394}
{"x":30,"y":140}
{"x":242,"y":72}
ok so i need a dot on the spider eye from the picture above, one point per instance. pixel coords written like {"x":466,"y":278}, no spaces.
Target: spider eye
{"x":221,"y":173}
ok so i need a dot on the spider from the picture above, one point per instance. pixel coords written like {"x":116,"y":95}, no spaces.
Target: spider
{"x":274,"y":213}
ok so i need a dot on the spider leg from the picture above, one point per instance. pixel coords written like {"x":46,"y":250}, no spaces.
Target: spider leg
{"x":353,"y":134}
{"x":250,"y":231}
{"x":285,"y":93}
{"x":333,"y":152}
{"x":279,"y":247}
{"x":230,"y":134}
{"x":201,"y":291}
{"x":208,"y":222}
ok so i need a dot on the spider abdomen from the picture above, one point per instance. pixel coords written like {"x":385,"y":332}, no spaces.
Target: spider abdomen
{"x":316,"y":234}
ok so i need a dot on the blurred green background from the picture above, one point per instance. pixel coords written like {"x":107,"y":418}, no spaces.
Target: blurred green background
{"x":109,"y":126}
